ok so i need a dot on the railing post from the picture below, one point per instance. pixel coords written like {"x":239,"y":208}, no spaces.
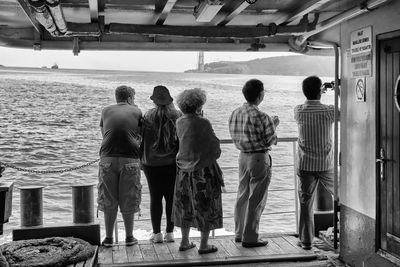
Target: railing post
{"x":116,"y":231}
{"x":296,"y":200}
{"x":31,"y":205}
{"x":82,"y":203}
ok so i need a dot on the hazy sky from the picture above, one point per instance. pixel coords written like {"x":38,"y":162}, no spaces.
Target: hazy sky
{"x":121,"y":60}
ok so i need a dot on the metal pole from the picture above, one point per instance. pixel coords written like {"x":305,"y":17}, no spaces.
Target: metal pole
{"x":116,"y":231}
{"x":335,"y":150}
{"x":296,"y":200}
{"x":83,"y":203}
{"x":336,"y":202}
{"x":31,"y":205}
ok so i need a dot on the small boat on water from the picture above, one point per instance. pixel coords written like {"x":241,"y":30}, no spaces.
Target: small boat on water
{"x":364,"y":37}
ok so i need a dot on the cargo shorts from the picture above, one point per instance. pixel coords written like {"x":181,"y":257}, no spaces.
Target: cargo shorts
{"x":119,"y":185}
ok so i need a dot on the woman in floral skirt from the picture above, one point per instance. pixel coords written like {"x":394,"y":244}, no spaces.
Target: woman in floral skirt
{"x":197,"y":200}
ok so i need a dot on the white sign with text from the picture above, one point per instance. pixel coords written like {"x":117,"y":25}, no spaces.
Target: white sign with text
{"x":361,"y":41}
{"x":361,"y":53}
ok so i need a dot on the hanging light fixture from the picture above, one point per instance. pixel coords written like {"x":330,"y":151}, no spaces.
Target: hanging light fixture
{"x":207,"y":9}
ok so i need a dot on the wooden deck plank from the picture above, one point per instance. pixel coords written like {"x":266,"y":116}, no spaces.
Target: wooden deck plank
{"x":162,"y":251}
{"x":210,"y":255}
{"x":92,"y":262}
{"x":273,"y":248}
{"x":105,"y":255}
{"x":148,"y":252}
{"x":222,"y":252}
{"x":245,"y":251}
{"x":293,"y":241}
{"x":134,"y":254}
{"x":230,"y":248}
{"x":262,"y":251}
{"x":119,"y":254}
{"x":285,"y":245}
{"x":178,"y":255}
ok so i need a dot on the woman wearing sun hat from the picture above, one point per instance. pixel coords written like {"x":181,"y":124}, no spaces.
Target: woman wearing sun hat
{"x":159,"y":149}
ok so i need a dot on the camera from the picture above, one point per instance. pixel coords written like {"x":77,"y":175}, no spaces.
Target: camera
{"x":327,"y":85}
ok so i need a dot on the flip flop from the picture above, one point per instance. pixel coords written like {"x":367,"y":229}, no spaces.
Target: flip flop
{"x":210,"y":249}
{"x":184,"y":248}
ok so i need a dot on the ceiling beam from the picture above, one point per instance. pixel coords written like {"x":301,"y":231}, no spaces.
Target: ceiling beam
{"x":94,"y":10}
{"x":208,"y":31}
{"x":30,"y":16}
{"x":234,"y":13}
{"x":303,"y":10}
{"x":163,"y":8}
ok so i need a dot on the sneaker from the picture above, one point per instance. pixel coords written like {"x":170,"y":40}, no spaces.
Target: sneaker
{"x":130,"y":241}
{"x":107,"y":242}
{"x":156,"y":238}
{"x":169,"y":237}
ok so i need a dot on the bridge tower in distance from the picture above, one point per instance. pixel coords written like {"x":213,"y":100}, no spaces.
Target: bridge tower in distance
{"x":200,"y":61}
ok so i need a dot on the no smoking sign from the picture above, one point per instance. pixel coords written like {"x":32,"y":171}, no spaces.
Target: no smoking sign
{"x":360,"y":89}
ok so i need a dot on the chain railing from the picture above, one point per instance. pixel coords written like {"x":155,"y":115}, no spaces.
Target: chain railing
{"x":223,"y":141}
{"x":12,"y":166}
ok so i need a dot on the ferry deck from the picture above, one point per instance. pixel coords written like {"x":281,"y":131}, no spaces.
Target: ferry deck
{"x":364,"y":37}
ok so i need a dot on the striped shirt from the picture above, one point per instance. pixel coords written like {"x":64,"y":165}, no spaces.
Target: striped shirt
{"x":251,"y":130}
{"x":315,"y":150}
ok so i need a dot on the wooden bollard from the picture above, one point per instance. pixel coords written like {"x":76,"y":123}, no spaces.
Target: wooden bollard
{"x":31,"y":205}
{"x":82,"y":203}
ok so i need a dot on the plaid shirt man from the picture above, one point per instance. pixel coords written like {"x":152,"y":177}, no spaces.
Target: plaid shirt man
{"x":251,"y":129}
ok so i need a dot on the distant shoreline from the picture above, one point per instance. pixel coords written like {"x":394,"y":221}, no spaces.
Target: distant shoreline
{"x":298,"y":65}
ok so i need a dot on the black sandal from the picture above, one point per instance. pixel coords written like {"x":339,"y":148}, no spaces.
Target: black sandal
{"x":190,"y":246}
{"x":210,"y":249}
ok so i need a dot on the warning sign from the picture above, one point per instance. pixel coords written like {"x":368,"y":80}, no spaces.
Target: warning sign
{"x":361,"y":65}
{"x":361,"y":41}
{"x":360,"y":90}
{"x":361,"y":53}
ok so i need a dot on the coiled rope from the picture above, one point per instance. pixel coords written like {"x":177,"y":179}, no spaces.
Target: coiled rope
{"x":4,"y":164}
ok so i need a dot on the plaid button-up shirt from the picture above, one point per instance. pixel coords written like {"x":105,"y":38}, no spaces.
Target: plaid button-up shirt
{"x":251,"y":129}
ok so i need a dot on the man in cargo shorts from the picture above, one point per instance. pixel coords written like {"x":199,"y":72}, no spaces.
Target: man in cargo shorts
{"x":119,"y":168}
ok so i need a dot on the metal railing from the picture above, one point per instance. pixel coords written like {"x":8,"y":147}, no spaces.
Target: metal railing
{"x":292,"y":140}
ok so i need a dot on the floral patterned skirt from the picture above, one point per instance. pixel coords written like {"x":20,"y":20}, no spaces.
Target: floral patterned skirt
{"x":197,"y":199}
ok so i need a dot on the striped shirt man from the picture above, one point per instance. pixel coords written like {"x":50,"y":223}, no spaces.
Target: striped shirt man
{"x":315,"y":149}
{"x":251,"y":129}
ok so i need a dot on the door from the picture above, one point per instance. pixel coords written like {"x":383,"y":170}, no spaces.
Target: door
{"x":388,"y":157}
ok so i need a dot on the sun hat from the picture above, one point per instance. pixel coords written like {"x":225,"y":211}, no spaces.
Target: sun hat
{"x":161,"y":95}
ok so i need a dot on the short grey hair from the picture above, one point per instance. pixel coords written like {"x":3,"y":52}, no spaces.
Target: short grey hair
{"x":123,"y":92}
{"x":191,"y":99}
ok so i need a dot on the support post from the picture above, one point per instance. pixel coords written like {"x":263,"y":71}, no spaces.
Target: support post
{"x":31,"y":205}
{"x":296,"y":187}
{"x":75,"y":46}
{"x":82,"y":203}
{"x":336,"y":150}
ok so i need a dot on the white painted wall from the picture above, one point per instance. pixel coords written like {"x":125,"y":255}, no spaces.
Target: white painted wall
{"x":358,"y":185}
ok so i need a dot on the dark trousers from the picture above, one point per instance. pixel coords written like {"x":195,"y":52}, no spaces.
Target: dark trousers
{"x":161,"y":181}
{"x":308,"y":181}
